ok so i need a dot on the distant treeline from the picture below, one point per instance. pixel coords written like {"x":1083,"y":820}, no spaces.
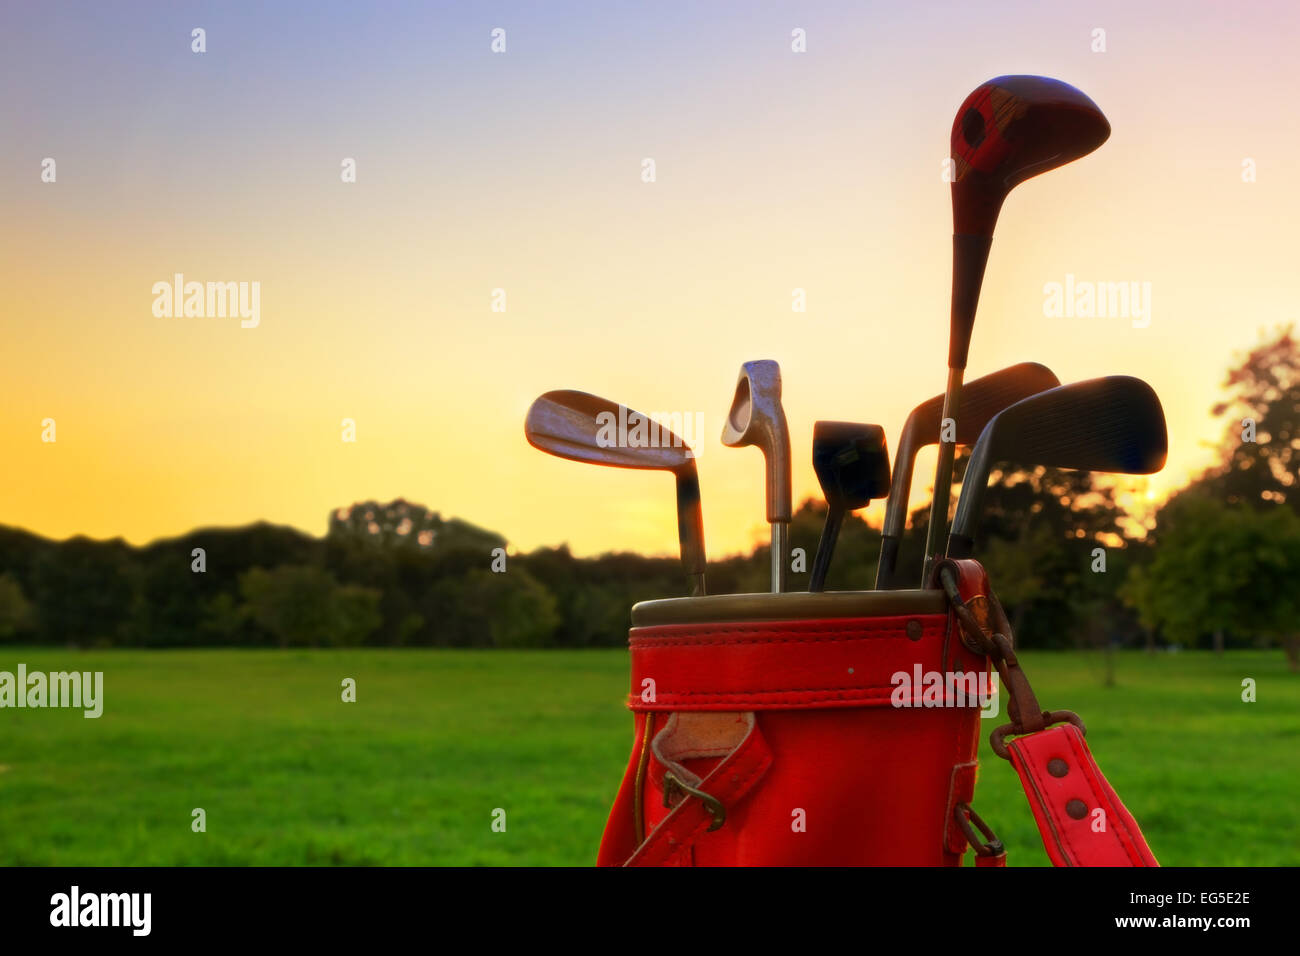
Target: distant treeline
{"x":1218,"y":567}
{"x":276,"y":586}
{"x":385,"y":575}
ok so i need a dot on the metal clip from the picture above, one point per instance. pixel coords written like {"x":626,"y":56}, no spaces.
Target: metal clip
{"x":1050,"y":717}
{"x":990,"y":845}
{"x":711,"y":803}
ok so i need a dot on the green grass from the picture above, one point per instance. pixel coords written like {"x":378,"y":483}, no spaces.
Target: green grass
{"x":411,"y":773}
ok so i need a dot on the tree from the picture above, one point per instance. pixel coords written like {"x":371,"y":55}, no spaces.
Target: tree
{"x":1217,"y":567}
{"x":1264,"y":393}
{"x":405,"y":524}
{"x":1225,"y":555}
{"x":1036,"y":537}
{"x":485,"y":609}
{"x":304,"y":606}
{"x":85,"y":591}
{"x":15,"y":609}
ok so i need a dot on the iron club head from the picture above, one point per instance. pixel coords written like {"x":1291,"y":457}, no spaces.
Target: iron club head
{"x":1113,"y":424}
{"x":757,"y":418}
{"x":584,"y":427}
{"x":980,"y":400}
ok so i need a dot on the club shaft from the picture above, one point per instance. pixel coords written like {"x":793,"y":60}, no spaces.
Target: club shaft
{"x":825,"y":549}
{"x":887,"y":562}
{"x":896,"y":509}
{"x":937,"y":532}
{"x":780,"y":546}
{"x":690,"y":528}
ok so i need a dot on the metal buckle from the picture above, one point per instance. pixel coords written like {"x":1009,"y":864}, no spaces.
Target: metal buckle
{"x":711,"y":803}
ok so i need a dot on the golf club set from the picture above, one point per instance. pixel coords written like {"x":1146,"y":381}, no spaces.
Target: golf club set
{"x":848,"y":706}
{"x":1008,"y":130}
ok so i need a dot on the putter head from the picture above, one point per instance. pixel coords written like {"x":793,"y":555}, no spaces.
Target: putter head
{"x":1010,"y":129}
{"x":852,"y":463}
{"x":757,"y":418}
{"x":584,"y":427}
{"x":1113,"y":424}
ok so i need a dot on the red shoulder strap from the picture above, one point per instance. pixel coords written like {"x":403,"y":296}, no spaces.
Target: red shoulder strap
{"x":1078,"y":813}
{"x":1079,"y":816}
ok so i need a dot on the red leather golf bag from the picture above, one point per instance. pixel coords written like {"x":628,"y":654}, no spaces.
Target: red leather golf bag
{"x":842,"y":729}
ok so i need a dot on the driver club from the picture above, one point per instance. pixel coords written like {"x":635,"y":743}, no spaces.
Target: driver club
{"x":1008,"y":130}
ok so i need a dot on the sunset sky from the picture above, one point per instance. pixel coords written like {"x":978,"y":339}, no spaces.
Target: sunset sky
{"x":522,"y":171}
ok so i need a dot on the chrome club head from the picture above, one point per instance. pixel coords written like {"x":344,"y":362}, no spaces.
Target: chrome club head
{"x":584,"y":427}
{"x":757,"y":418}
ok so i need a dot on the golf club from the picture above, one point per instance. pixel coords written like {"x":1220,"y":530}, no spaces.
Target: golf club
{"x":757,"y":418}
{"x":583,"y":427}
{"x":852,"y":465}
{"x":980,"y":401}
{"x":1008,"y":130}
{"x":1110,"y":424}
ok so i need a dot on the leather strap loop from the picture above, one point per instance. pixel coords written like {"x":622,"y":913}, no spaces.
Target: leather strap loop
{"x":728,"y":783}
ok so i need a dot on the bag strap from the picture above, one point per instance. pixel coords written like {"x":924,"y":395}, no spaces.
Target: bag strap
{"x":700,"y":805}
{"x":1079,"y":816}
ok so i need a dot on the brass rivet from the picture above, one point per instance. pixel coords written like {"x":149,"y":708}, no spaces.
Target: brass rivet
{"x":1077,"y":809}
{"x":1057,"y":767}
{"x":914,"y":629}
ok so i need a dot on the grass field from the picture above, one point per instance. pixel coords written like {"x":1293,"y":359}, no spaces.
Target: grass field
{"x":411,"y":773}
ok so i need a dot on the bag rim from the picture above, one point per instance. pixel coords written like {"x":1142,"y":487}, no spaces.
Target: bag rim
{"x":791,"y":605}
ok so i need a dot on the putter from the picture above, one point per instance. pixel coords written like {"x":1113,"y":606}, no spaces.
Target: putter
{"x":852,"y":465}
{"x":1008,"y":130}
{"x":980,"y":401}
{"x":583,"y":427}
{"x":757,"y":418}
{"x":1110,"y":424}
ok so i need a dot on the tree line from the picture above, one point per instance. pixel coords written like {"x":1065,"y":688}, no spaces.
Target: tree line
{"x":1217,"y":567}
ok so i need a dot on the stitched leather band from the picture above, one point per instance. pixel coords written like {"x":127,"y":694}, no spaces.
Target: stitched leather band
{"x":766,"y":665}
